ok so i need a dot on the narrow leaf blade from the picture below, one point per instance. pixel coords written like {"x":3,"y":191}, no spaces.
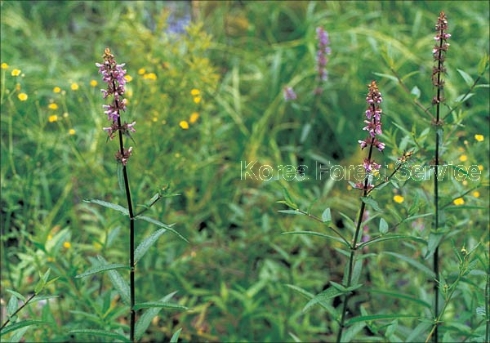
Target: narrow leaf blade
{"x":102,"y":268}
{"x":108,"y":205}
{"x":147,"y":244}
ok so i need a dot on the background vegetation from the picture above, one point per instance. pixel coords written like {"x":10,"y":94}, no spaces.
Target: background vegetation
{"x":224,"y":77}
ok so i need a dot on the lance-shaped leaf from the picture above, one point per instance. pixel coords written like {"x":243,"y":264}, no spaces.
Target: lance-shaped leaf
{"x":118,"y":282}
{"x":165,"y":226}
{"x":102,"y":268}
{"x":109,"y":205}
{"x":146,"y":244}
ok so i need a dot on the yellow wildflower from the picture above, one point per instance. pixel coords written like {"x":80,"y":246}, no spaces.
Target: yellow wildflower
{"x":476,"y":194}
{"x":71,"y":132}
{"x":479,"y":138}
{"x":5,"y":65}
{"x":67,"y":245}
{"x":93,"y":83}
{"x":53,"y":106}
{"x":194,"y":117}
{"x":128,"y":78}
{"x":141,"y":71}
{"x":53,"y":118}
{"x":458,"y":201}
{"x":56,"y":89}
{"x":150,"y":76}
{"x":16,"y":72}
{"x":463,"y":158}
{"x":195,"y":92}
{"x":480,"y":167}
{"x":22,"y":96}
{"x":74,"y":86}
{"x":197,"y":99}
{"x":398,"y":199}
{"x":184,"y":125}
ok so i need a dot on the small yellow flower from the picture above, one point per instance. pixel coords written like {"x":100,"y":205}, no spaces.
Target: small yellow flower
{"x":16,"y":72}
{"x":57,"y":89}
{"x":22,"y":96}
{"x":195,"y":92}
{"x":141,"y":71}
{"x":67,"y":245}
{"x":150,"y":76}
{"x":458,"y":201}
{"x":194,"y":117}
{"x":476,"y":194}
{"x":480,"y":167}
{"x":398,"y":199}
{"x":71,"y":132}
{"x":128,"y":78}
{"x":5,"y":65}
{"x":74,"y":86}
{"x":154,"y":119}
{"x":65,"y":114}
{"x":184,"y":125}
{"x":463,"y":158}
{"x":479,"y":138}
{"x":197,"y":99}
{"x":53,"y":106}
{"x":93,"y":83}
{"x":53,"y":118}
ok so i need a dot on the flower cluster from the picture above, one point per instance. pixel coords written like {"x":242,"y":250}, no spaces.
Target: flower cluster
{"x":439,"y":53}
{"x":321,"y":54}
{"x":114,"y":76}
{"x":373,"y":127}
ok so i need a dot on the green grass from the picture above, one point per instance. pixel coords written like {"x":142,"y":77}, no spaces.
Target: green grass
{"x":233,"y":273}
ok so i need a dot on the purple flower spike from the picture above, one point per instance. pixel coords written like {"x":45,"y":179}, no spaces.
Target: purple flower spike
{"x":113,"y":75}
{"x":321,"y":54}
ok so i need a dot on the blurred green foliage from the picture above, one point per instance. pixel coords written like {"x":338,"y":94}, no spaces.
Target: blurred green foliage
{"x":224,"y":77}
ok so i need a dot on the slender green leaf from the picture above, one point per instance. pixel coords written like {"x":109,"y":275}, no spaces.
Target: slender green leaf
{"x":146,"y":244}
{"x":18,"y":334}
{"x":389,"y":237}
{"x":12,"y":305}
{"x":383,"y":226}
{"x":102,"y":268}
{"x":146,"y":318}
{"x":160,"y":224}
{"x":294,"y":337}
{"x":118,"y":282}
{"x":100,"y":333}
{"x":402,"y":296}
{"x":327,"y":294}
{"x":412,"y":262}
{"x":326,"y":216}
{"x":175,"y":336}
{"x":301,"y":291}
{"x":352,"y":331}
{"x":483,"y":64}
{"x":305,"y":132}
{"x":387,"y":76}
{"x":296,"y":212}
{"x":18,"y":325}
{"x":467,"y":78}
{"x":16,"y":294}
{"x":152,"y":304}
{"x":109,"y":205}
{"x":42,"y":282}
{"x":378,"y":317}
{"x":288,"y":199}
{"x":371,"y":202}
{"x":313,"y":233}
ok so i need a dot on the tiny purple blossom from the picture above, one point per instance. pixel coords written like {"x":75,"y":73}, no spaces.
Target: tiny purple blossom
{"x":289,"y":93}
